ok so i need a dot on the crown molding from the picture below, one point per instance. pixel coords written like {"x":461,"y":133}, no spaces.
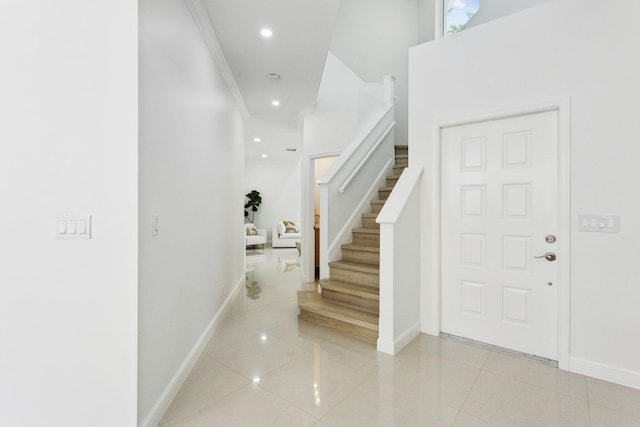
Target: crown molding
{"x":203,"y":22}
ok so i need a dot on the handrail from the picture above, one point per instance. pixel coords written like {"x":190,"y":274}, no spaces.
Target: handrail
{"x":351,"y":149}
{"x":353,"y":174}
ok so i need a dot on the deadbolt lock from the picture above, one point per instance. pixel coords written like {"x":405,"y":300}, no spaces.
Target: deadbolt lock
{"x":550,"y":238}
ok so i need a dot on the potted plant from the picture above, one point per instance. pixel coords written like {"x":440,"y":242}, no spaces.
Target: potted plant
{"x":252,"y":205}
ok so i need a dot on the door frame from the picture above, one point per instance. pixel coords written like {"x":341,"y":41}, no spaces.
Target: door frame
{"x":434,"y":278}
{"x":308,"y":206}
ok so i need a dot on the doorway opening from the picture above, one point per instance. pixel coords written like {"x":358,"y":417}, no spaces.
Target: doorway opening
{"x":320,"y":166}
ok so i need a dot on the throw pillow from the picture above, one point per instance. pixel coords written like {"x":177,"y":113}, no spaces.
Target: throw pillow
{"x":281,"y":228}
{"x":251,"y":231}
{"x":291,"y":229}
{"x":290,"y":226}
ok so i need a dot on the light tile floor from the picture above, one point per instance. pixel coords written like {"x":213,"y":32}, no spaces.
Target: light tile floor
{"x":264,"y":367}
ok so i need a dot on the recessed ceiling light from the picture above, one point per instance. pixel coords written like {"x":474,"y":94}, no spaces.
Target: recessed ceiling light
{"x":275,"y":103}
{"x":266,"y":33}
{"x":264,"y":156}
{"x":273,"y":76}
{"x":257,"y":139}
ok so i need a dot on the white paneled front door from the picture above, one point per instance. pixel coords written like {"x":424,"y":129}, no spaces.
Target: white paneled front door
{"x":500,"y":211}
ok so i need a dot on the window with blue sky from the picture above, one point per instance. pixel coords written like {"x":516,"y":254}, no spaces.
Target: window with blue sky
{"x":457,"y":13}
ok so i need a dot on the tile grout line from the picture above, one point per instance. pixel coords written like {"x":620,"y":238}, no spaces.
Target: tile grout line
{"x":586,"y":389}
{"x":568,"y":394}
{"x":316,"y":419}
{"x":475,"y":381}
{"x":356,"y":385}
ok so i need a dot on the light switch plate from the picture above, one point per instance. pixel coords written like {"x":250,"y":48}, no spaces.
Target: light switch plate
{"x":155,"y":225}
{"x":73,"y":227}
{"x":599,"y":223}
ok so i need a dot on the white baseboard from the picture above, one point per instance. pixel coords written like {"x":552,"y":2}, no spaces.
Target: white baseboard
{"x":429,"y":329}
{"x":407,"y":336}
{"x":393,"y":348}
{"x":169,"y":393}
{"x":605,"y":372}
{"x":385,"y":346}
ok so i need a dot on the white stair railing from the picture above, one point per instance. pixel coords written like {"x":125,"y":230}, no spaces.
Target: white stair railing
{"x":353,"y":180}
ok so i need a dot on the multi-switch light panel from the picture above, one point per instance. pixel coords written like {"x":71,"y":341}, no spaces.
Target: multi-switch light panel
{"x":599,"y":223}
{"x":73,"y":227}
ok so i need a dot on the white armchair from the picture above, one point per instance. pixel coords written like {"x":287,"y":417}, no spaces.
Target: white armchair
{"x":259,"y":238}
{"x":281,"y":239}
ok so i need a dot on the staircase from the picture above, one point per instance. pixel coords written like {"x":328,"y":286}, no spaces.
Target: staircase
{"x":350,"y":297}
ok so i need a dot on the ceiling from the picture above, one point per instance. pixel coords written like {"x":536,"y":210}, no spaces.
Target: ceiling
{"x":297,"y":52}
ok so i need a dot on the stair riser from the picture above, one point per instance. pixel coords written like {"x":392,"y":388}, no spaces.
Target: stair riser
{"x":401,"y":151}
{"x":402,"y":162}
{"x":368,"y":222}
{"x":376,"y":207}
{"x":397,"y":170}
{"x":363,"y":334}
{"x":353,"y":301}
{"x":364,"y":257}
{"x":372,"y":240}
{"x":357,"y":277}
{"x":384,"y":194}
{"x":391,"y":182}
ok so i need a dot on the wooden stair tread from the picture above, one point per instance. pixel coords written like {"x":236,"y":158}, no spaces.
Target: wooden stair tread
{"x":385,"y":188}
{"x":312,"y":302}
{"x":356,"y":266}
{"x":353,"y":247}
{"x":366,"y":230}
{"x":370,"y":215}
{"x":402,"y":156}
{"x":351,"y":289}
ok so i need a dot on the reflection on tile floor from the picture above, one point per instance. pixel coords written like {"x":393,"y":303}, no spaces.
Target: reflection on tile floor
{"x":263,"y":367}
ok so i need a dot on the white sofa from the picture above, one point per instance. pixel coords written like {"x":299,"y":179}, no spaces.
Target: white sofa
{"x":281,"y":239}
{"x":260,"y":238}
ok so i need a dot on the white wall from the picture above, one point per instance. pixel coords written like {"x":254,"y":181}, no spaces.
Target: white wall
{"x":426,"y":20}
{"x":191,"y":174}
{"x":333,"y":122}
{"x":585,"y":50}
{"x":279,"y":184}
{"x":494,"y":9}
{"x":372,"y":37}
{"x":68,"y":145}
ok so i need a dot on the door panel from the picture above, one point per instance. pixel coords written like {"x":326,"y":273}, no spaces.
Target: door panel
{"x":499,"y":201}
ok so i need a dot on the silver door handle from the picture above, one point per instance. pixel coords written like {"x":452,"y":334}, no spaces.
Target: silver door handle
{"x":549,"y":256}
